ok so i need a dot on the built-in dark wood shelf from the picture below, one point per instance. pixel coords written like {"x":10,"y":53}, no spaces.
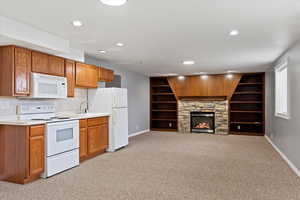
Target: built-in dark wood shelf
{"x":163,"y":105}
{"x":237,"y":102}
{"x":164,"y":110}
{"x":246,"y":111}
{"x":163,"y":94}
{"x":160,"y":86}
{"x":164,"y":102}
{"x":165,"y":120}
{"x":247,"y":106}
{"x":250,"y":92}
{"x":246,"y":133}
{"x":255,"y":123}
{"x":251,"y":83}
{"x":164,"y":129}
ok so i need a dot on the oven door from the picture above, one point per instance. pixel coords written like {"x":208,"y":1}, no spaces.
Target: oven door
{"x":62,"y":137}
{"x":46,"y":86}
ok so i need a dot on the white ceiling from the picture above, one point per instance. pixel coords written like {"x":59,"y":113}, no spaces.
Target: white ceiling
{"x":160,"y":34}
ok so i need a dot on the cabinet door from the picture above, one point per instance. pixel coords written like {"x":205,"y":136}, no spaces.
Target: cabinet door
{"x":70,"y":74}
{"x":110,"y":75}
{"x":101,"y":74}
{"x":22,"y":71}
{"x":86,"y":75}
{"x":40,"y":62}
{"x":36,"y":155}
{"x":104,"y":136}
{"x":56,"y":66}
{"x":83,"y":149}
{"x":36,"y":150}
{"x":105,"y":75}
{"x":94,"y":139}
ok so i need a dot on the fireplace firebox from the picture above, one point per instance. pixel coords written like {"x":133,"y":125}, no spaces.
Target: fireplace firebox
{"x":203,"y":122}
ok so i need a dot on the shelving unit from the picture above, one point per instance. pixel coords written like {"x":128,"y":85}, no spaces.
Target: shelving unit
{"x":163,"y":105}
{"x":247,"y":115}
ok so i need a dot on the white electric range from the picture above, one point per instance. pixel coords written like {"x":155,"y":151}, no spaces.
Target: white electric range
{"x":61,"y":137}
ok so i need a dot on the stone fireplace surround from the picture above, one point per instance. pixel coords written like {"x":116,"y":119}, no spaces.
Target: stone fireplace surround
{"x":219,"y":107}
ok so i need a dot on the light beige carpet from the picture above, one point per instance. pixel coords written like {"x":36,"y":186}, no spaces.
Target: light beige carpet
{"x":175,"y":167}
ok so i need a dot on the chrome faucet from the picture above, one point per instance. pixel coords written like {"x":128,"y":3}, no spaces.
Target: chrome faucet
{"x":86,"y":107}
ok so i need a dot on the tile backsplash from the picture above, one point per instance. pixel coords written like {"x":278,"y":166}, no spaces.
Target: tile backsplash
{"x":8,"y":104}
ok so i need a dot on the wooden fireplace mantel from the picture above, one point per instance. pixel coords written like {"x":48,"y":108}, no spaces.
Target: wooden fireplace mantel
{"x":207,"y":87}
{"x":199,"y":98}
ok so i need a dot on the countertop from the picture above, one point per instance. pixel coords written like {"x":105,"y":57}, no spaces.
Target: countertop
{"x":15,"y":121}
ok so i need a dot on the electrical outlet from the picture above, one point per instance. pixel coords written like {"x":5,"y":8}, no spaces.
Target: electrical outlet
{"x":170,"y":125}
{"x":239,"y":127}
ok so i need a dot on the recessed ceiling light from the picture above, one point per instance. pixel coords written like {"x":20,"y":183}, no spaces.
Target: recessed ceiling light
{"x":181,"y":77}
{"x":113,"y":2}
{"x":231,"y":71}
{"x":119,"y":44}
{"x":230,"y":76}
{"x":77,"y":23}
{"x":204,"y":77}
{"x":197,"y":73}
{"x":102,"y":51}
{"x":234,"y":33}
{"x":188,"y":62}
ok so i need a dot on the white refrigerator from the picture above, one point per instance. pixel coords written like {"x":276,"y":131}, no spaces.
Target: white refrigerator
{"x":113,"y":101}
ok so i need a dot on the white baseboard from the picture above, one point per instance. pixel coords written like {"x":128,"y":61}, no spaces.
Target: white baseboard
{"x":292,"y":166}
{"x":139,"y":133}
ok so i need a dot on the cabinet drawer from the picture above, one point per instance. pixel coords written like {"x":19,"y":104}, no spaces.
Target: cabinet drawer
{"x":37,"y":131}
{"x":97,"y":121}
{"x":83,"y":123}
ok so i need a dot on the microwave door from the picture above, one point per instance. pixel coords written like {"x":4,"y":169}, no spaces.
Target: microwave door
{"x":45,"y":89}
{"x":46,"y":86}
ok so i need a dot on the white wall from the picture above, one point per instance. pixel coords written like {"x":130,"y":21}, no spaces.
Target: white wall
{"x":138,"y":95}
{"x":285,"y":134}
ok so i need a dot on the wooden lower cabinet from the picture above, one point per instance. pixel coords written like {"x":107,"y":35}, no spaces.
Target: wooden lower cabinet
{"x":93,"y":137}
{"x":22,"y":153}
{"x":36,"y":155}
{"x":83,"y":151}
{"x":94,"y":140}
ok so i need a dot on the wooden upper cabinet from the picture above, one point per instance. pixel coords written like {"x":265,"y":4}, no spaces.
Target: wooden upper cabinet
{"x":86,"y":75}
{"x":106,"y":75}
{"x":47,"y":64}
{"x":40,"y":62}
{"x":15,"y":67}
{"x":70,"y":74}
{"x":22,"y":71}
{"x":56,"y":66}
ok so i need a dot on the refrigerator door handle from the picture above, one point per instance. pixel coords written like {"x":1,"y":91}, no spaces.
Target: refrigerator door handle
{"x":113,"y":117}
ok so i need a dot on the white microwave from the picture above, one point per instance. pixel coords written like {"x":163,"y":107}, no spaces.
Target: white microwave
{"x":47,"y":86}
